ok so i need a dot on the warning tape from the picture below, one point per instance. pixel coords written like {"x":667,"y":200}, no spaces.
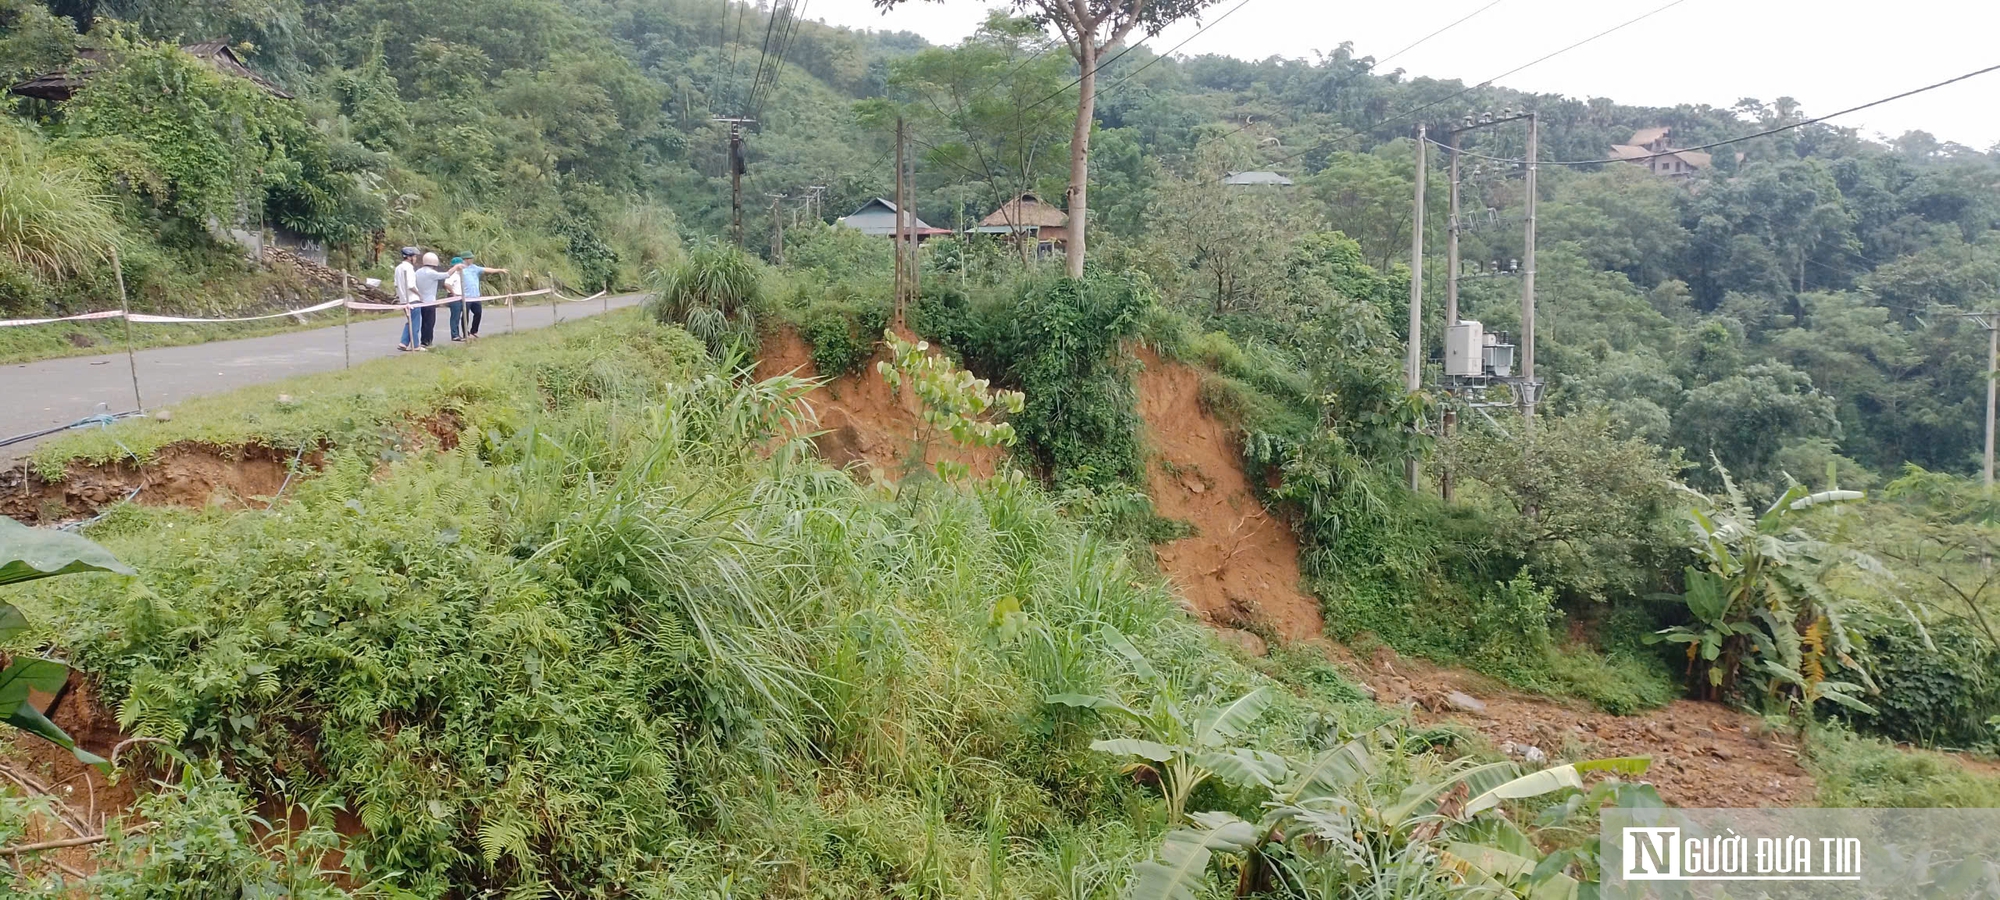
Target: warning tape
{"x":9,"y":323}
{"x":442,"y":302}
{"x":149,"y":319}
{"x":159,"y":320}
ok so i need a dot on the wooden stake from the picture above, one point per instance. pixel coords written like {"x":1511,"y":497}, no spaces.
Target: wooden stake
{"x":125,"y":312}
{"x":346,"y":321}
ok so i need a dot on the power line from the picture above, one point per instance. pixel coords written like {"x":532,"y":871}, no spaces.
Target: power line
{"x":1368,"y":69}
{"x":735,"y":72}
{"x":1488,"y":82}
{"x":1176,"y":48}
{"x":1737,"y":140}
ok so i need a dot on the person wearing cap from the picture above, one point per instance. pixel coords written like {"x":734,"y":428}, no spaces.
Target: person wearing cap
{"x":406,"y":292}
{"x":474,"y":309}
{"x":454,"y":287}
{"x":427,"y":279}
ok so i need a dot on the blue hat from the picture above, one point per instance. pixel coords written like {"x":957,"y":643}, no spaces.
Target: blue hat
{"x":409,"y":251}
{"x":457,"y":259}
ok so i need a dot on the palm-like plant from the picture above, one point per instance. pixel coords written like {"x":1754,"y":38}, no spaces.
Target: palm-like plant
{"x":1761,"y":600}
{"x":712,"y":293}
{"x":1183,"y":745}
{"x":1323,"y":833}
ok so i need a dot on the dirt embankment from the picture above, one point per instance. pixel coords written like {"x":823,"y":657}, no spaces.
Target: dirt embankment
{"x":1241,"y":571}
{"x":1241,"y":567}
{"x":860,"y":420}
{"x":186,"y":474}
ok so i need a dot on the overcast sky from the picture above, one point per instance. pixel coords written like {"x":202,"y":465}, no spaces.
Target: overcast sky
{"x":1828,"y":54}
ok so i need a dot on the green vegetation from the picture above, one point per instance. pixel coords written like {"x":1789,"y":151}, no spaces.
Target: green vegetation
{"x":577,"y":615}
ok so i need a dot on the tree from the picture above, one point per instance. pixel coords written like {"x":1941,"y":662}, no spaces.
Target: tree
{"x":1091,"y":28}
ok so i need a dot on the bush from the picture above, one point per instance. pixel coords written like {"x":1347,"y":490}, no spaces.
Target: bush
{"x":1934,"y":698}
{"x":713,"y":294}
{"x":842,"y":334}
{"x":1854,"y":771}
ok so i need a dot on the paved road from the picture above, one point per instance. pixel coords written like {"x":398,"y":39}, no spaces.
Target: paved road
{"x":39,"y":395}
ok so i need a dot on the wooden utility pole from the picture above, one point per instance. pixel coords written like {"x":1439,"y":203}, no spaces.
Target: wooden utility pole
{"x":902,"y":290}
{"x":1413,"y":365}
{"x":777,"y":229}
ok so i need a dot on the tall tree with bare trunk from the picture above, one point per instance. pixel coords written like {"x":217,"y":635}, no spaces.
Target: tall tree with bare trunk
{"x":1091,"y":29}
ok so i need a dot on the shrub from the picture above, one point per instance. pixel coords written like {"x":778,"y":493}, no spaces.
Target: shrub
{"x":1940,"y":697}
{"x":713,"y":294}
{"x":54,"y":222}
{"x":841,"y":334}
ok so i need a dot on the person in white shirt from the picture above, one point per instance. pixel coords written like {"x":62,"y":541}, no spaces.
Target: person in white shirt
{"x":428,"y":279}
{"x":406,"y":292}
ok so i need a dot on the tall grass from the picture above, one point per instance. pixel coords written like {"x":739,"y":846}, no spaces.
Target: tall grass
{"x":54,"y":221}
{"x":627,"y":641}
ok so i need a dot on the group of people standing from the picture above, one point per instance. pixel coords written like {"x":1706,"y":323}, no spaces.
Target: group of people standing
{"x":417,"y":282}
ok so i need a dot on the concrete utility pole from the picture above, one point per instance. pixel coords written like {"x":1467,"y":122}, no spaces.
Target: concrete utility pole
{"x":1450,"y":302}
{"x":1530,"y":391}
{"x":1992,"y":371}
{"x":737,"y":166}
{"x":1413,"y":366}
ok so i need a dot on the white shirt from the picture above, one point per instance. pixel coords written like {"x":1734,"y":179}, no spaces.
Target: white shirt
{"x":406,"y":282}
{"x":454,"y":286}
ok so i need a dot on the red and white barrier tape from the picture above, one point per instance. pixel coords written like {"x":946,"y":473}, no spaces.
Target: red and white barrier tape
{"x":10,"y":323}
{"x":161,"y":320}
{"x":355,"y":304}
{"x":149,"y":319}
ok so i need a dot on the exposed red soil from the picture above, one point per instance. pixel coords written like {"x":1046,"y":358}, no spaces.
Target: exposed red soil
{"x":1241,"y":567}
{"x":184,"y":474}
{"x":83,"y":798}
{"x":1241,"y":572}
{"x":1705,"y":755}
{"x":860,"y":419}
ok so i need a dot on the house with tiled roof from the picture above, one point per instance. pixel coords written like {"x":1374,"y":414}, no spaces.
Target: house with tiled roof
{"x":1653,"y":150}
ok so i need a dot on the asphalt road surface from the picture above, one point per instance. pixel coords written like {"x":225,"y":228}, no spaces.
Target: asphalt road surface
{"x":54,"y":392}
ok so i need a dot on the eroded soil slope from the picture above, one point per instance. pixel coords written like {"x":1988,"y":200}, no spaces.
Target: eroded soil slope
{"x":860,"y":420}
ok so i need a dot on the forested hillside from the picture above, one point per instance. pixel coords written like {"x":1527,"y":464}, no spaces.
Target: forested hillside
{"x":603,"y":613}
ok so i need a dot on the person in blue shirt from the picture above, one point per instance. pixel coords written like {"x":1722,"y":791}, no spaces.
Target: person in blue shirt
{"x":469,"y":279}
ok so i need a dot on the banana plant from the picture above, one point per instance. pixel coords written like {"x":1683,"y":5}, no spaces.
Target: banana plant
{"x":1323,"y":819}
{"x":1760,"y":600}
{"x":1182,"y":745}
{"x":27,"y":554}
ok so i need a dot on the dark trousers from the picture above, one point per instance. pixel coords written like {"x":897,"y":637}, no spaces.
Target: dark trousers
{"x":476,"y":310}
{"x":430,"y":318}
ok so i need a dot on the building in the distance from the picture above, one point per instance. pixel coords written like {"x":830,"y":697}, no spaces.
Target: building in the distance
{"x":877,"y":217}
{"x":1248,"y":179}
{"x":59,"y":86}
{"x":1028,"y":221}
{"x":1653,"y":150}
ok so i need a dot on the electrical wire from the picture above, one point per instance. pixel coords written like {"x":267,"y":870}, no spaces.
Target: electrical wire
{"x":1737,"y":140}
{"x":797,"y":9}
{"x":1488,"y":82}
{"x":1365,"y":70}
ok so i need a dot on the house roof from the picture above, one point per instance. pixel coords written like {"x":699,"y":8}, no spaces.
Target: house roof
{"x":1645,"y":136}
{"x":62,"y":85}
{"x":1629,"y":152}
{"x":1025,"y":211}
{"x":1241,"y":178}
{"x":878,"y":217}
{"x":1694,"y":158}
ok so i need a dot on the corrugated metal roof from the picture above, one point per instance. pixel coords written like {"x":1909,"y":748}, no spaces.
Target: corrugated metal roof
{"x":878,"y":217}
{"x":60,"y":86}
{"x":1239,"y":178}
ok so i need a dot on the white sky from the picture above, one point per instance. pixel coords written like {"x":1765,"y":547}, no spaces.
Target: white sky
{"x":1828,"y":54}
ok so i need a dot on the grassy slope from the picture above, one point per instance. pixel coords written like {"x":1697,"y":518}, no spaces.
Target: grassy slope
{"x":607,"y":643}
